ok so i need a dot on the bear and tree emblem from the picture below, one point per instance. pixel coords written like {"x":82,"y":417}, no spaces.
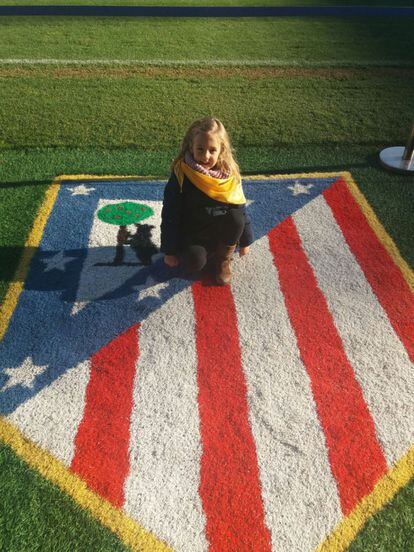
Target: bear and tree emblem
{"x":124,"y":214}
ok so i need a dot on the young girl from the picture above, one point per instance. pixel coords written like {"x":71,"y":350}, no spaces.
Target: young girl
{"x":204,"y":215}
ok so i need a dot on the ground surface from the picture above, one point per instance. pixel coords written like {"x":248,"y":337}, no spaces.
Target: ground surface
{"x":297,"y":95}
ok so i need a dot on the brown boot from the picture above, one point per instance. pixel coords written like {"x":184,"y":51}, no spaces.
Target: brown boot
{"x":224,"y":255}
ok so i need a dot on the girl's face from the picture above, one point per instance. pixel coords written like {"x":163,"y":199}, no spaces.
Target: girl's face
{"x":206,"y":149}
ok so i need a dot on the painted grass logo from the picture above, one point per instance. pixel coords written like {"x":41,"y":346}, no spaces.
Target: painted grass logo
{"x":122,"y":215}
{"x":269,"y":414}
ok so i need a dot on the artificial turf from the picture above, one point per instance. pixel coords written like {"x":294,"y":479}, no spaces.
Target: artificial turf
{"x":130,"y":120}
{"x":278,"y":41}
{"x":37,"y":517}
{"x":26,"y":174}
{"x":392,"y":529}
{"x":151,"y":113}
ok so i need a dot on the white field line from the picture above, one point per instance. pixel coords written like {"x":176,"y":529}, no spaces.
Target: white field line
{"x":205,"y":62}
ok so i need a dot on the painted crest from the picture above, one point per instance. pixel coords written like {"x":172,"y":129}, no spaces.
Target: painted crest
{"x":256,"y":416}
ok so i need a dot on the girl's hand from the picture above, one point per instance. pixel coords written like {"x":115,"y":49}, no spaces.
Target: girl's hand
{"x":171,"y":260}
{"x":244,"y":250}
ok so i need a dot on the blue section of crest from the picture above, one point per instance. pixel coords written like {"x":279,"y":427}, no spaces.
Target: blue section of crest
{"x":43,"y":327}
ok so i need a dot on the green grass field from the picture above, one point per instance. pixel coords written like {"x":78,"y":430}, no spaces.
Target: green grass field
{"x":273,"y":41}
{"x":296,"y":94}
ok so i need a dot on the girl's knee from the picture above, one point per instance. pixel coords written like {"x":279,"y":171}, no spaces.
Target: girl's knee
{"x":195,"y":258}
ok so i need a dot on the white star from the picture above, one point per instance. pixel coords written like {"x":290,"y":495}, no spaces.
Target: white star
{"x":24,"y":375}
{"x":81,"y":190}
{"x":150,"y":289}
{"x":58,"y":261}
{"x":78,"y":306}
{"x":299,"y":188}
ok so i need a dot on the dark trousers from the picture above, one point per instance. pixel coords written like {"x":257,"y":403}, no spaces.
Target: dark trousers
{"x":224,"y":228}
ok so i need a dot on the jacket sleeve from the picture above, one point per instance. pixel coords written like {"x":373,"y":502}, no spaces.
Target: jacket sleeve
{"x":247,"y":237}
{"x":171,"y":217}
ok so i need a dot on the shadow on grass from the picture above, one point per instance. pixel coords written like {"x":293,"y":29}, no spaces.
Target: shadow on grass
{"x":370,"y":161}
{"x":318,"y":168}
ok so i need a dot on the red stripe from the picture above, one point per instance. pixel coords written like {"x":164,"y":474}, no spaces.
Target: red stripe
{"x":230,"y":487}
{"x":381,"y":272}
{"x":102,"y":441}
{"x":356,"y":458}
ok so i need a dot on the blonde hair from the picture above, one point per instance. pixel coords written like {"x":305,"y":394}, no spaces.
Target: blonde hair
{"x":226,"y":161}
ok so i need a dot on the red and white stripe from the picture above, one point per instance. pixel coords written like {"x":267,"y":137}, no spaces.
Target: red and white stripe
{"x":381,"y":272}
{"x":250,"y":417}
{"x":162,"y":489}
{"x":299,"y":492}
{"x":378,"y":356}
{"x":102,"y":442}
{"x":354,"y":453}
{"x":230,"y":482}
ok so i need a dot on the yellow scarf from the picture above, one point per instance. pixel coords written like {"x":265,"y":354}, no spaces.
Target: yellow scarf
{"x":226,"y":190}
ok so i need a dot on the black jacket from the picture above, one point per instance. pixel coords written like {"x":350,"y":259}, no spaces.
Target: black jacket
{"x":187,"y":210}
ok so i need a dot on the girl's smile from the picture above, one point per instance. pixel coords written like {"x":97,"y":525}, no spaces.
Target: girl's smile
{"x":206,"y":149}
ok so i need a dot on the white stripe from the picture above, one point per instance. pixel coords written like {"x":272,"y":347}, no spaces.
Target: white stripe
{"x":161,"y":491}
{"x":51,"y":418}
{"x":299,"y":492}
{"x":378,"y":357}
{"x":210,"y":62}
